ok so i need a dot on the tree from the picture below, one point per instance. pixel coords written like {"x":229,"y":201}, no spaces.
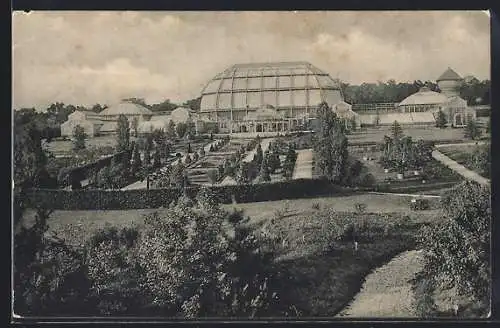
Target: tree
{"x":264,"y":174}
{"x":457,"y":250}
{"x":79,"y":136}
{"x":157,"y":159}
{"x":170,"y":130}
{"x":213,"y":176}
{"x":178,"y":176}
{"x":258,"y":155}
{"x":441,"y":119}
{"x":331,"y":145}
{"x":396,"y":131}
{"x":147,"y":155}
{"x":188,"y":160}
{"x":123,"y":134}
{"x":472,"y":130}
{"x":181,"y":129}
{"x":135,"y":126}
{"x":136,"y":160}
{"x":189,"y":150}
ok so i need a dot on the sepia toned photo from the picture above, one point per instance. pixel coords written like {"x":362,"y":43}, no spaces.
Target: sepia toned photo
{"x":251,"y":165}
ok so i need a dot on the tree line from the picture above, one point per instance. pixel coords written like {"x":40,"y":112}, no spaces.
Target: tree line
{"x":474,"y":91}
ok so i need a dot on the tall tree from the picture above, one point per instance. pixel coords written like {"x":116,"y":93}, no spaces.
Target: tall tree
{"x":396,"y":131}
{"x":123,"y":134}
{"x":79,"y":136}
{"x":441,"y":119}
{"x":330,"y":145}
{"x":135,"y":126}
{"x":136,"y":160}
{"x":472,"y":130}
{"x":181,"y":129}
{"x":170,"y":130}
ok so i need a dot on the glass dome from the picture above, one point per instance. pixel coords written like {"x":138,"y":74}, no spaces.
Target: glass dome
{"x":292,"y":87}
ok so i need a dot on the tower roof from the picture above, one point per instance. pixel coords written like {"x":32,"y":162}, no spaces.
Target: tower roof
{"x":449,"y":75}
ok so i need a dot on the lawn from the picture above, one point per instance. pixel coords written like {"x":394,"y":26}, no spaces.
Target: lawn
{"x":66,"y":146}
{"x":425,"y":133}
{"x":462,"y":155}
{"x":324,"y":276}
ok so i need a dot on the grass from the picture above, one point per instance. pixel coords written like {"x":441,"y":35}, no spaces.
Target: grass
{"x":425,"y":133}
{"x":462,"y":155}
{"x":323,"y":280}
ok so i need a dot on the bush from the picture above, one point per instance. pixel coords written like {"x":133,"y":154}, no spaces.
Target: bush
{"x":419,"y":204}
{"x":457,"y":250}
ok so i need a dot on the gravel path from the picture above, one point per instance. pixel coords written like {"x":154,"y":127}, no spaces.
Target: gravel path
{"x":387,"y":290}
{"x":460,"y":169}
{"x":303,"y":164}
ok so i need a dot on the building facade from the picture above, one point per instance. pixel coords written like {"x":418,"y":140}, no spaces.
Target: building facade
{"x":271,"y":97}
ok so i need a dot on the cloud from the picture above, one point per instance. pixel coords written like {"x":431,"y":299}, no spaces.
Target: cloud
{"x":90,"y":57}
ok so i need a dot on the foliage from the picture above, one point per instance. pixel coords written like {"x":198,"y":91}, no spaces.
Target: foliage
{"x":213,"y":176}
{"x":360,"y":207}
{"x":420,"y":204}
{"x":472,"y":130}
{"x":441,"y":120}
{"x":289,"y":163}
{"x":264,"y":171}
{"x":156,"y":159}
{"x":170,"y":130}
{"x":123,"y":133}
{"x":135,"y":126}
{"x":188,"y":160}
{"x":456,"y":251}
{"x":480,"y":160}
{"x":181,"y":129}
{"x":331,"y":145}
{"x":79,"y":136}
{"x":396,"y":131}
{"x":136,"y":160}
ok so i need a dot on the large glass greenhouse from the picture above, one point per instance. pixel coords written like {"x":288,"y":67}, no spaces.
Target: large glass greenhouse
{"x":267,"y":96}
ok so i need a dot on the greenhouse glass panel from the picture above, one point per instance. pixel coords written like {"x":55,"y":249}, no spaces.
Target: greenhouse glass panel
{"x":284,"y":82}
{"x":269,"y":98}
{"x":254,"y":83}
{"x":300,"y":81}
{"x":253,"y":99}
{"x":284,"y":99}
{"x":227,"y":84}
{"x":240,"y":84}
{"x":270,"y":82}
{"x":299,"y":98}
{"x":208,"y":101}
{"x":239,"y":99}
{"x":224,"y":100}
{"x":314,"y":97}
{"x":213,"y":86}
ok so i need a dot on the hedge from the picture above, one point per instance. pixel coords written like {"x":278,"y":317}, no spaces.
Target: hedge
{"x":154,"y":198}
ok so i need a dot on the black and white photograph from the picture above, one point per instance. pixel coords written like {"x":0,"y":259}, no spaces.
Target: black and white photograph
{"x":251,"y":165}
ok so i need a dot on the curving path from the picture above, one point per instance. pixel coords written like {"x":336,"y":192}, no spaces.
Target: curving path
{"x":460,"y":169}
{"x":387,"y":290}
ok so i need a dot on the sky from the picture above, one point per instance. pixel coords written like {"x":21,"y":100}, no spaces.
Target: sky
{"x":84,"y":58}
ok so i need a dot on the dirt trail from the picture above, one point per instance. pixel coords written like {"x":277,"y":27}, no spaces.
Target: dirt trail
{"x":387,"y":290}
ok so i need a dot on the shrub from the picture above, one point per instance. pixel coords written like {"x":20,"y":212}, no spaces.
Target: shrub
{"x":456,"y":251}
{"x":360,"y":207}
{"x":316,"y":206}
{"x":419,"y":204}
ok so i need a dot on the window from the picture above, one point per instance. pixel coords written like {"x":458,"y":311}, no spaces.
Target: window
{"x":224,"y":100}
{"x":227,"y":84}
{"x":253,"y":99}
{"x":239,"y":100}
{"x":300,"y":81}
{"x":270,"y":98}
{"x":299,"y":98}
{"x":269,"y":82}
{"x":254,"y":83}
{"x":284,"y":82}
{"x":314,"y":97}
{"x":240,"y":84}
{"x":213,"y":86}
{"x":208,"y":101}
{"x":284,"y":98}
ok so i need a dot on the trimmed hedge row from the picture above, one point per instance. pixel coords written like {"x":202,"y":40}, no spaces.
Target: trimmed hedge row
{"x":154,"y":198}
